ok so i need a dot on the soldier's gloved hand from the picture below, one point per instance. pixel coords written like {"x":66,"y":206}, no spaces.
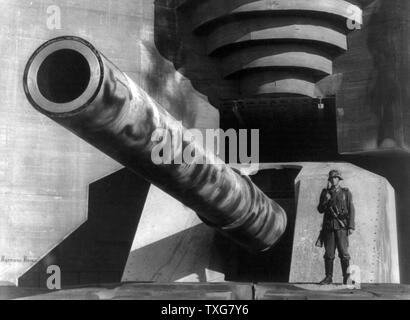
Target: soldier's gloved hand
{"x":350,"y":232}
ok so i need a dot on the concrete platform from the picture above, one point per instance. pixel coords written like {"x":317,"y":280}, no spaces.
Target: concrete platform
{"x":154,"y":291}
{"x":8,"y":292}
{"x":332,"y":292}
{"x":216,"y":291}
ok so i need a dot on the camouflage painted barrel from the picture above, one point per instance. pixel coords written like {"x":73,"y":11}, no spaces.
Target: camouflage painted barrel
{"x":72,"y":83}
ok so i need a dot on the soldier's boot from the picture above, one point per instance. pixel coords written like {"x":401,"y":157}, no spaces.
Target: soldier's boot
{"x":345,"y":266}
{"x":329,"y":273}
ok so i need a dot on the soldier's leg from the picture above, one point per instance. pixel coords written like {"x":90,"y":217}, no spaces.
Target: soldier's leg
{"x":329,"y":242}
{"x":342,"y":243}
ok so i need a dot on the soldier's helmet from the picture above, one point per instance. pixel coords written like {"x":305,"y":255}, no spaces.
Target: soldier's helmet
{"x":335,"y":173}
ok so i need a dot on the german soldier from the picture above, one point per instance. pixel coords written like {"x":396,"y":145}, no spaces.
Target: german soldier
{"x":338,"y":224}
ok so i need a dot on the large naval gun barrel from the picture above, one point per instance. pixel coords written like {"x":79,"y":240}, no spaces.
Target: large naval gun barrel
{"x":72,"y":83}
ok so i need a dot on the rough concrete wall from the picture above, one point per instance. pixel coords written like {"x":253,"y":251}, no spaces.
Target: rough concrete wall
{"x":397,"y":171}
{"x":372,"y":96}
{"x":373,"y":246}
{"x":45,"y":171}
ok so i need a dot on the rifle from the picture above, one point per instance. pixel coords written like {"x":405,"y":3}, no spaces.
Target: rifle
{"x":319,"y":241}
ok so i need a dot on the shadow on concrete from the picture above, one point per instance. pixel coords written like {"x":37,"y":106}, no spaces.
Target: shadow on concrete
{"x":98,"y":250}
{"x":290,"y":129}
{"x":176,"y":42}
{"x":273,"y":266}
{"x":391,"y":70}
{"x":173,"y":258}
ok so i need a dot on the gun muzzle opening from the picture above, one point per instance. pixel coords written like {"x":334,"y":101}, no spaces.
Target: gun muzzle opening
{"x":63,"y":76}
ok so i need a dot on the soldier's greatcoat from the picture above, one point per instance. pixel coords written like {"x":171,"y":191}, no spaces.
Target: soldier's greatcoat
{"x":336,"y":202}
